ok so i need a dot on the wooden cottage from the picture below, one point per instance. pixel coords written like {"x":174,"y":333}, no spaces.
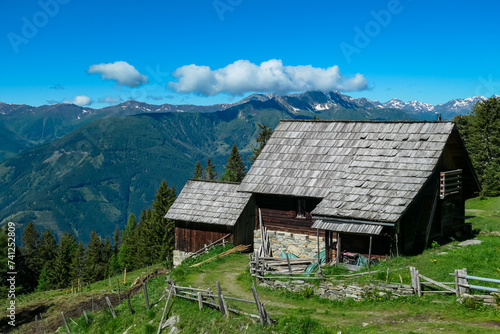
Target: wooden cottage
{"x":206,"y":211}
{"x":368,"y":187}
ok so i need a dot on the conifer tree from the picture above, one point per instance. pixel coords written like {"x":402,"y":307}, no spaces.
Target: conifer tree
{"x":77,"y":269}
{"x":44,"y":280}
{"x":480,"y":131}
{"x":61,"y":276}
{"x":47,"y":252}
{"x":116,"y":241}
{"x":198,"y":171}
{"x":262,"y":138}
{"x":107,"y":252}
{"x":30,"y":256}
{"x":93,"y":268}
{"x":126,"y":252}
{"x":235,"y":165}
{"x":210,"y":173}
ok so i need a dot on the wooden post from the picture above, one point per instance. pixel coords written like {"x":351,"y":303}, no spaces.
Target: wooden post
{"x":36,"y":324}
{"x":221,"y":304}
{"x":457,"y":288}
{"x":289,"y":265}
{"x":109,"y":280}
{"x":92,"y":303}
{"x":337,"y":260}
{"x":387,"y":276}
{"x":397,"y":245}
{"x":146,"y":295}
{"x":72,"y":288}
{"x":110,"y":307}
{"x":43,"y":324}
{"x":419,"y":286}
{"x":431,"y":218}
{"x":463,"y":284}
{"x":65,"y":322}
{"x":226,"y":311}
{"x":85,"y":316}
{"x":165,"y":309}
{"x":259,"y":306}
{"x":147,"y":273}
{"x":125,"y":275}
{"x":200,"y":301}
{"x":319,"y":258}
{"x":370,"y":252}
{"x":257,"y":268}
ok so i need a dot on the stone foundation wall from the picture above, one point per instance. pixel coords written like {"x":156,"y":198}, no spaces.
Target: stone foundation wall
{"x":299,"y":244}
{"x":355,"y":291}
{"x":179,"y":256}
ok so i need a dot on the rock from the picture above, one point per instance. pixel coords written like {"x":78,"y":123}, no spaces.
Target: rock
{"x":469,"y":243}
{"x":442,"y":253}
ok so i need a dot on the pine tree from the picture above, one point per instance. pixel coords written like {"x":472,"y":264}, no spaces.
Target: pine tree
{"x":116,"y":241}
{"x":107,"y":252}
{"x":198,"y":171}
{"x":44,"y":280}
{"x":93,"y":268}
{"x":47,"y":252}
{"x":160,"y":233}
{"x":61,"y":276}
{"x":125,"y":253}
{"x":480,"y":131}
{"x":262,"y":138}
{"x":236,"y":165}
{"x":210,"y":173}
{"x":77,"y":269}
{"x":30,"y":256}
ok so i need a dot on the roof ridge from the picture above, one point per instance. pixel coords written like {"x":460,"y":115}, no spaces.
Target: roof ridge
{"x":360,"y":121}
{"x":215,"y":181}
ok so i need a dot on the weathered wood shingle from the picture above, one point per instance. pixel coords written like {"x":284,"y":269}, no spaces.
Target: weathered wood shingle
{"x":365,"y":170}
{"x":209,"y":202}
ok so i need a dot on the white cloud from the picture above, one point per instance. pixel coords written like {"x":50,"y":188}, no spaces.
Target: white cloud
{"x":80,"y":100}
{"x":242,"y":76}
{"x":110,"y":99}
{"x":121,"y":72}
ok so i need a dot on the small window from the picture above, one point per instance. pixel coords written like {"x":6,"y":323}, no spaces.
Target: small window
{"x":301,"y":208}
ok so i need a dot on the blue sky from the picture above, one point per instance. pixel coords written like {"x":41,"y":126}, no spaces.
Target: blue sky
{"x":63,"y":50}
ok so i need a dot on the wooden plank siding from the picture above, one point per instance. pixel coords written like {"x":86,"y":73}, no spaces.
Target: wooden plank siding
{"x":191,"y":238}
{"x":279,"y":213}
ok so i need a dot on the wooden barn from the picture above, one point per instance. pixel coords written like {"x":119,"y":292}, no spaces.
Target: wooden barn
{"x":206,"y":211}
{"x":365,"y":187}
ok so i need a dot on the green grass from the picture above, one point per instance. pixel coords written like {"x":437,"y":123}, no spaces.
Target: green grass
{"x":486,"y":214}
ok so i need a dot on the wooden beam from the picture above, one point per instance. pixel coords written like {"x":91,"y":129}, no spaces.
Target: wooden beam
{"x":431,"y":219}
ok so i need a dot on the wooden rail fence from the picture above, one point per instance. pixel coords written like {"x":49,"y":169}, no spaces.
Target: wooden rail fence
{"x":461,"y":283}
{"x":219,"y":301}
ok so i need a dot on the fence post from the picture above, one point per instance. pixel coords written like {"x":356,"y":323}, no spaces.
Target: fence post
{"x":36,"y":323}
{"x":419,"y":286}
{"x":259,"y":306}
{"x":65,"y":322}
{"x":125,"y":275}
{"x":463,"y":284}
{"x":413,"y":280}
{"x":200,"y":301}
{"x":85,"y":315}
{"x":43,"y":324}
{"x":111,"y":307}
{"x":457,"y":287}
{"x":165,"y":309}
{"x":146,"y":295}
{"x":221,"y":303}
{"x":289,"y":265}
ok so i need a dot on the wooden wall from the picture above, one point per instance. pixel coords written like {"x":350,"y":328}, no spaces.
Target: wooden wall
{"x":192,"y":237}
{"x":279,"y":213}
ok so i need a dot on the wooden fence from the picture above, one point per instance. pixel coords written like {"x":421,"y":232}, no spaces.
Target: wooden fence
{"x":220,"y":302}
{"x":461,"y":283}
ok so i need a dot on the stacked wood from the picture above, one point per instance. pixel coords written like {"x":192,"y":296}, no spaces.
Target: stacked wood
{"x":239,"y":248}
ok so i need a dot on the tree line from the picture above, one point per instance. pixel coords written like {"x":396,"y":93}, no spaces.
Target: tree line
{"x":480,"y":130}
{"x":43,"y":264}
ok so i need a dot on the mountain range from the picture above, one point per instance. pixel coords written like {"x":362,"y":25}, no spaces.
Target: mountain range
{"x":71,"y":168}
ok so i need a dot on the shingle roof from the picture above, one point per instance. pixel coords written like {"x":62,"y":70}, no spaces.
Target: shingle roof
{"x":209,"y":202}
{"x":347,"y":227}
{"x":366,"y":170}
